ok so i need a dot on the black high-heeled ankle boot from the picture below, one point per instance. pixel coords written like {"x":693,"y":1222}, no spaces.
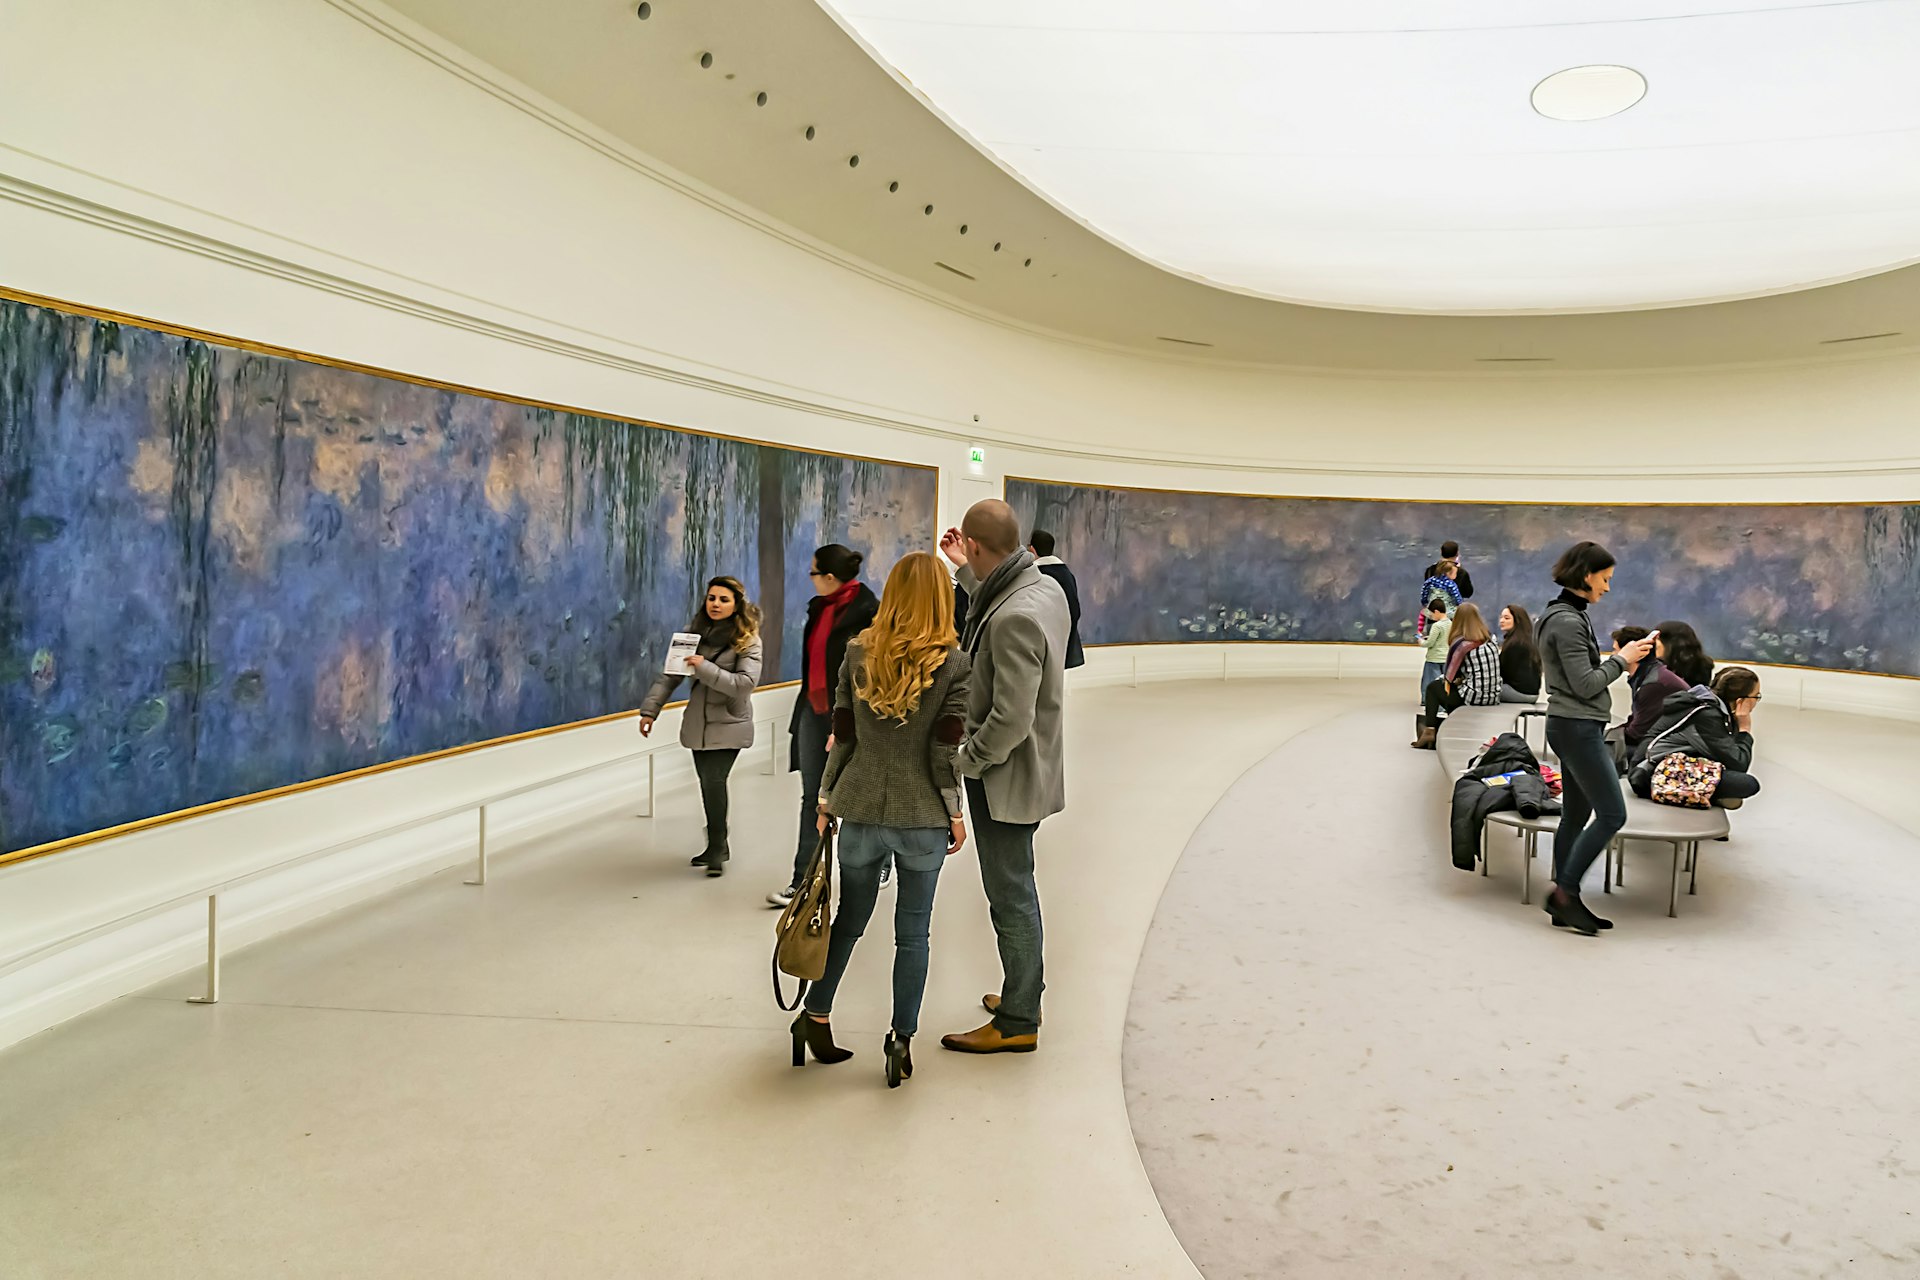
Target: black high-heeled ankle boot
{"x":899,"y":1059}
{"x":809,"y":1034}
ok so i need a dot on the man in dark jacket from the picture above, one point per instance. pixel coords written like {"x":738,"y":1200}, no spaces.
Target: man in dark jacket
{"x":1450,"y":550}
{"x":1041,"y":544}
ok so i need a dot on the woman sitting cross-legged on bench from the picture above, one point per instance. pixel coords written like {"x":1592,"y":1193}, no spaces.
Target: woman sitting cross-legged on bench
{"x":1709,"y":723}
{"x":1470,"y":678}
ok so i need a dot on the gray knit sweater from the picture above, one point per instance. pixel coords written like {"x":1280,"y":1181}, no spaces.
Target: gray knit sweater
{"x":887,"y":774}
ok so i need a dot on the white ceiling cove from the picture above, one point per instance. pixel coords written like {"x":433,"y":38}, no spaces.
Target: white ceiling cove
{"x":1386,"y":154}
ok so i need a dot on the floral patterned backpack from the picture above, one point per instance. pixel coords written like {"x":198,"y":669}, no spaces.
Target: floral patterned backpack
{"x":1688,"y":781}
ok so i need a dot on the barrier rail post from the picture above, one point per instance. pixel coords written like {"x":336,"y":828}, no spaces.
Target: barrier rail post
{"x":480,"y":871}
{"x":773,"y":748}
{"x":213,"y":954}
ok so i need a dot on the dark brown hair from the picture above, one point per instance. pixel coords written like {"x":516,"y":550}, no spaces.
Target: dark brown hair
{"x":1579,"y":562}
{"x":1686,"y":656}
{"x":1735,"y":683}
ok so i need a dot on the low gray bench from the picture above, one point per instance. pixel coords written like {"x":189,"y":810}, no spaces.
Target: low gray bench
{"x":1681,"y":829}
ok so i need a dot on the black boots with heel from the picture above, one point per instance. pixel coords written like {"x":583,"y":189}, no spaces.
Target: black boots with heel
{"x":813,"y":1036}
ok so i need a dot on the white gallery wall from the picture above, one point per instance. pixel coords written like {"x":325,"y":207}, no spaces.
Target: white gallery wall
{"x":320,"y":175}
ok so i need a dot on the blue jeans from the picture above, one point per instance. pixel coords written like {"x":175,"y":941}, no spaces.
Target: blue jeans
{"x":919,"y":853}
{"x":1429,"y":672}
{"x":1013,"y":900}
{"x":810,"y":747}
{"x":1590,"y":787}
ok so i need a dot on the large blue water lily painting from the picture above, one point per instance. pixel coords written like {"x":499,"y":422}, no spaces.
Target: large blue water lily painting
{"x":1834,"y":586}
{"x":224,"y":572}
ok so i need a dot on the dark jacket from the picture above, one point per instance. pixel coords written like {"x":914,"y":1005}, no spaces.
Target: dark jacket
{"x":852,"y":620}
{"x":1577,"y":678}
{"x":1053,"y":568}
{"x":1473,"y":799}
{"x":1519,"y":668}
{"x":1694,"y":722}
{"x":1465,"y":582}
{"x":1653,"y":682}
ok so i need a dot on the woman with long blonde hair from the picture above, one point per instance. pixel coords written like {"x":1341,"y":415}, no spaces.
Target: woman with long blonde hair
{"x":891,"y":787}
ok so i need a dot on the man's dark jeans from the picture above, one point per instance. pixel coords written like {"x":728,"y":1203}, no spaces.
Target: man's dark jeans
{"x":1013,"y":899}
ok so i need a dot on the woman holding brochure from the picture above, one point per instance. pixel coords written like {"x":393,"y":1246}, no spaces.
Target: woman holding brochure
{"x":720,"y":651}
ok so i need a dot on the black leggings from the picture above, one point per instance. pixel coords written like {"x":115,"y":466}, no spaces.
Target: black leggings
{"x":712,"y":768}
{"x":1440,"y":700}
{"x":1590,"y":788}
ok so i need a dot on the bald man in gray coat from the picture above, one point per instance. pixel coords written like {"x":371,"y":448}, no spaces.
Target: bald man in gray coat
{"x":1013,"y":758}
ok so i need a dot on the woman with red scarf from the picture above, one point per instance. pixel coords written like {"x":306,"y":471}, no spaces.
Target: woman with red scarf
{"x":842,"y":607}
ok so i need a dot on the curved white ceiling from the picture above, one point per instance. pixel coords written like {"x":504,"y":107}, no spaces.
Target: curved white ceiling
{"x":1385,"y":155}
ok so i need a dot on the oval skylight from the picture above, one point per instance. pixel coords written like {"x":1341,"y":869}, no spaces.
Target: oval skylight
{"x":1588,"y":93}
{"x":1388,"y":155}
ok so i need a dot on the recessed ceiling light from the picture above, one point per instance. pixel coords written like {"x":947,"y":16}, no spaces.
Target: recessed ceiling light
{"x":759,"y":99}
{"x":853,"y":162}
{"x":706,"y":60}
{"x":957,"y":271}
{"x":644,"y":12}
{"x":1859,"y":337}
{"x":1588,"y":93}
{"x":809,"y":133}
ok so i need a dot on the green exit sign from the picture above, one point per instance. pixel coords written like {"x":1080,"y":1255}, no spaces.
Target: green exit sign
{"x":977,"y":456}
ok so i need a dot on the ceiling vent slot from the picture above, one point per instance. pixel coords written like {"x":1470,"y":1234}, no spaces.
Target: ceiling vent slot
{"x":1185,"y":342}
{"x":957,"y":271}
{"x":1859,"y":337}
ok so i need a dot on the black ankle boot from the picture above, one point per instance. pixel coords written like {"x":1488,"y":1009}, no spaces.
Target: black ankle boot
{"x":809,"y":1034}
{"x":1569,"y":912}
{"x":899,"y":1059}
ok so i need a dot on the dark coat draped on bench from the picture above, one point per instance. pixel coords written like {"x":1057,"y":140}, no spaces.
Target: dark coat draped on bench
{"x":1473,"y":799}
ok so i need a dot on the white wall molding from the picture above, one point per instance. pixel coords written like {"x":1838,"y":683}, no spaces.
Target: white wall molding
{"x":306,"y":266}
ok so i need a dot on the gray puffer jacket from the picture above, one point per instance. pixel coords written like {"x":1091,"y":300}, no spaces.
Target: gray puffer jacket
{"x":1577,"y":678}
{"x":719,"y":714}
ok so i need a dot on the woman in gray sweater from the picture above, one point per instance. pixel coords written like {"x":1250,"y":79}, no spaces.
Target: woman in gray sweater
{"x":718,"y":722}
{"x":891,"y":785}
{"x":1578,"y":707}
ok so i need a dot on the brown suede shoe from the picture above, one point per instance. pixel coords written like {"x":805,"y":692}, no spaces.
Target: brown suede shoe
{"x":992,"y":1005}
{"x":988,"y":1039}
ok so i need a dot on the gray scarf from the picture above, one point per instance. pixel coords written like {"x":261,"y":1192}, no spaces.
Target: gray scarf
{"x":992,"y":589}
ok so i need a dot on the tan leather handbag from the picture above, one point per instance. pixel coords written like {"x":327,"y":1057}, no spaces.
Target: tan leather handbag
{"x":801,"y":935}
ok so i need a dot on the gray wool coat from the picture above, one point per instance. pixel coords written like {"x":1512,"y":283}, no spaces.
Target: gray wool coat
{"x":719,"y":714}
{"x":1016,"y":707}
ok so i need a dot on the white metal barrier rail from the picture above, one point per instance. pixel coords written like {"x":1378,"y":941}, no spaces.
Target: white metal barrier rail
{"x":212,"y":890}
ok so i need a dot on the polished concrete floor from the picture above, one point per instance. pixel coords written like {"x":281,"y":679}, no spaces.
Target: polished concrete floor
{"x":578,"y":1070}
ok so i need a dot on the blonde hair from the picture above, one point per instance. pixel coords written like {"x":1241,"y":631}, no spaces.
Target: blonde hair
{"x":1469,"y":625}
{"x":910,"y":639}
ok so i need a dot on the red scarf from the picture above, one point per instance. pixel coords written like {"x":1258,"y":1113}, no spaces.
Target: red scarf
{"x":819,"y":695}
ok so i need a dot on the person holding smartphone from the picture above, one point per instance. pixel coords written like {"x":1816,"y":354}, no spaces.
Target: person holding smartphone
{"x":1593,"y":809}
{"x":899,"y":713}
